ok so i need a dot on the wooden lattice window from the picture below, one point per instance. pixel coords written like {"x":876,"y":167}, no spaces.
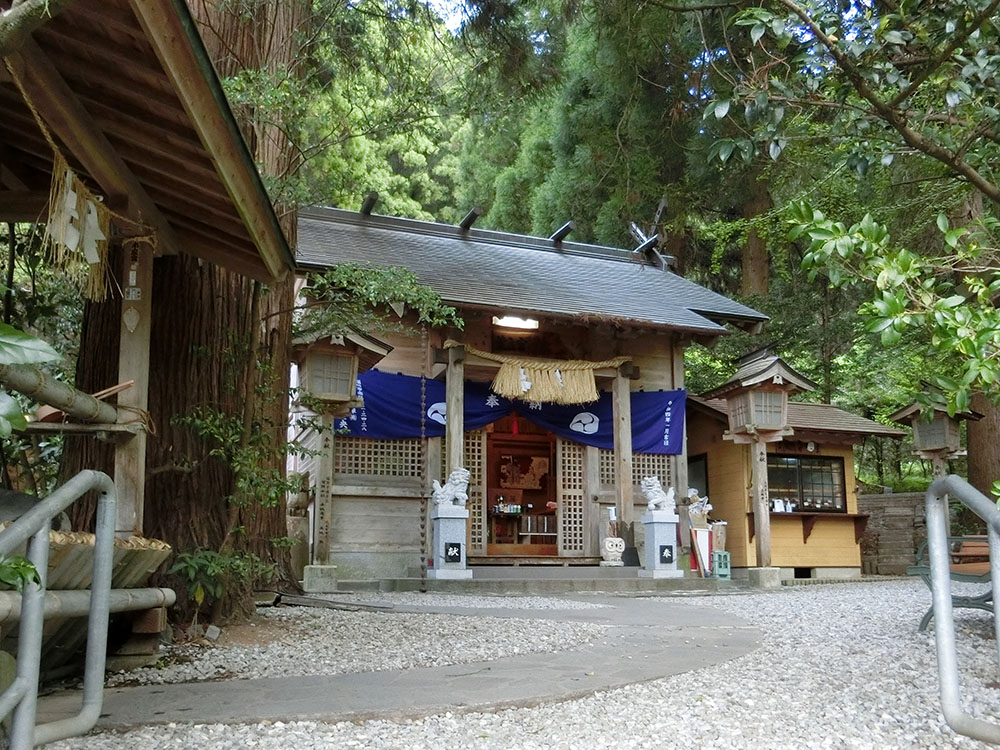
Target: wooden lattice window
{"x":607,"y":464}
{"x":571,"y":505}
{"x":654,"y":465}
{"x":475,"y":456}
{"x":643,"y":465}
{"x":371,"y":457}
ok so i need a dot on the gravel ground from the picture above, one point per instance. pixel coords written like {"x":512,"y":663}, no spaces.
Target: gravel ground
{"x":841,"y":667}
{"x":308,"y":641}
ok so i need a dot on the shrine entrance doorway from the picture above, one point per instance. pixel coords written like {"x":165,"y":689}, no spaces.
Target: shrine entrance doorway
{"x":521,"y":490}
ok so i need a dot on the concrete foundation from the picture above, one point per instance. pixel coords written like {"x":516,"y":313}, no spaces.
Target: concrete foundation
{"x":449,"y":575}
{"x":660,"y":573}
{"x":319,"y":579}
{"x":764,"y":578}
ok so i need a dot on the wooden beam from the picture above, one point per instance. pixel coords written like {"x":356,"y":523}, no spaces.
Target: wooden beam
{"x":136,"y":275}
{"x":69,"y":121}
{"x":215,"y":250}
{"x":170,"y":29}
{"x":454,"y":409}
{"x":69,"y":49}
{"x":23,"y":205}
{"x":11,"y":180}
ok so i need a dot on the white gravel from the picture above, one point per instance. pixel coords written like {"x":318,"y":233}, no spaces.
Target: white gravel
{"x":841,"y":667}
{"x":329,"y":641}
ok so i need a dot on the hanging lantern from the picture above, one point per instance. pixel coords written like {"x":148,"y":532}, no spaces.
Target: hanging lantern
{"x":757,"y":395}
{"x":938,"y":436}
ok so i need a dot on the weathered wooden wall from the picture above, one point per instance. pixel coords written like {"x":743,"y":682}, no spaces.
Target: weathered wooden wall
{"x":896,"y":526}
{"x":728,"y":482}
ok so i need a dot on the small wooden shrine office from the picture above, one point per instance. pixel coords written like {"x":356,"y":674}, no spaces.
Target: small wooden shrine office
{"x":544,"y":314}
{"x":810,"y":496}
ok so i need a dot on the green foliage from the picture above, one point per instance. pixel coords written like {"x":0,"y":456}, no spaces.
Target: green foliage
{"x":949,"y":296}
{"x":917,"y":78}
{"x":249,"y":455}
{"x":17,"y":572}
{"x":207,"y":573}
{"x":368,"y":105}
{"x":353,"y":296}
{"x":19,"y":348}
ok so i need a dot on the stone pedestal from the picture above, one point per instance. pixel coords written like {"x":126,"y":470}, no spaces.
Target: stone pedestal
{"x":661,"y":545}
{"x":764,"y":578}
{"x":448,"y":530}
{"x":319,"y":579}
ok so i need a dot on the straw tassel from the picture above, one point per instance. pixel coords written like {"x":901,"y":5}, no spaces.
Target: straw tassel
{"x":550,"y":381}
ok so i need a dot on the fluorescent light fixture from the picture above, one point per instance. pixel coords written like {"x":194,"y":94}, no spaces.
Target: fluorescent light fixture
{"x":512,"y":321}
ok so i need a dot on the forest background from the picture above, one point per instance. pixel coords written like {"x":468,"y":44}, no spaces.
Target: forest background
{"x":830,"y":164}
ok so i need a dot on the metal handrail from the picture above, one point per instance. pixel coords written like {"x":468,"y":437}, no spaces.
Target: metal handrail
{"x":944,"y":624}
{"x":22,"y":695}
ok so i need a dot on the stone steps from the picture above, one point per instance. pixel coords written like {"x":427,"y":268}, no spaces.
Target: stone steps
{"x":549,"y":585}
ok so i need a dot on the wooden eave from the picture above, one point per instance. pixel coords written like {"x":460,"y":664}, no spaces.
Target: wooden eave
{"x":907,"y":414}
{"x":765,"y":374}
{"x":128,"y":92}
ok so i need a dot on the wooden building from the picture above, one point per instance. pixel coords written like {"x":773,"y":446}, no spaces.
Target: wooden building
{"x":815,"y":526}
{"x":121,"y":95}
{"x":543,"y":306}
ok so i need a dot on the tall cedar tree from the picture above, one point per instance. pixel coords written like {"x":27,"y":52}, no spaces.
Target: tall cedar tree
{"x":213,"y":345}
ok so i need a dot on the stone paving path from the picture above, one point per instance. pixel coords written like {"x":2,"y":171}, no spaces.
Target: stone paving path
{"x":646,"y":639}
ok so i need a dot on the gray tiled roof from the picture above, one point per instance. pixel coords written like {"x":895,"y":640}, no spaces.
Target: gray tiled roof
{"x":759,"y":366}
{"x":518,"y":273}
{"x":819,"y":417}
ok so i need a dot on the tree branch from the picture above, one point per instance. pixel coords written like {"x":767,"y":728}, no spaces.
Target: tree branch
{"x":947,"y":52}
{"x":890,"y":114}
{"x":17,"y":23}
{"x":699,"y":6}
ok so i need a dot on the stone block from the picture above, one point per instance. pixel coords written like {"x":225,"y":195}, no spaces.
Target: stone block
{"x":449,"y":574}
{"x":150,"y":621}
{"x":661,"y":573}
{"x":764,"y":578}
{"x":661,"y":549}
{"x":319,"y":579}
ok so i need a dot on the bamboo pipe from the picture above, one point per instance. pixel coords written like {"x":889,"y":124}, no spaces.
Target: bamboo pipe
{"x":32,"y":382}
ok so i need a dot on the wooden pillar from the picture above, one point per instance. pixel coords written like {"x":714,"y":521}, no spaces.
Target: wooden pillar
{"x":133,"y":364}
{"x":323,"y":504}
{"x":597,"y":529}
{"x":622,"y":416}
{"x":454,"y":409}
{"x":433,"y":472}
{"x":680,"y":462}
{"x":761,"y":503}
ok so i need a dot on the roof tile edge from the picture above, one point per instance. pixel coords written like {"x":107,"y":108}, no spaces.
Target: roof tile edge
{"x":486,"y":236}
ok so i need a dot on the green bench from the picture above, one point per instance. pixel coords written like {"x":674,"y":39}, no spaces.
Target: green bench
{"x":970,"y":563}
